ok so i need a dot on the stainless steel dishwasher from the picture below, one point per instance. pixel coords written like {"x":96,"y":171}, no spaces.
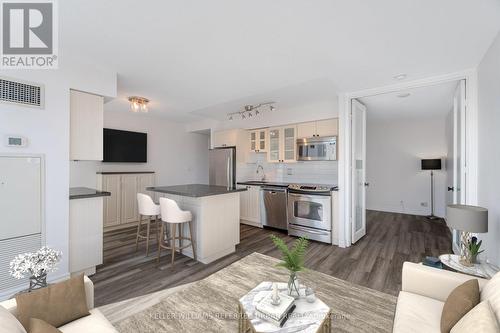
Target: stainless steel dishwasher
{"x":274,"y":202}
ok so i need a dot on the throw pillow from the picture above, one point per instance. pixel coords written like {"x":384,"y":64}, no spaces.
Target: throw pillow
{"x":491,"y":292}
{"x":9,"y":323}
{"x":460,"y":301}
{"x":39,"y":326}
{"x":480,"y":319}
{"x":56,"y":304}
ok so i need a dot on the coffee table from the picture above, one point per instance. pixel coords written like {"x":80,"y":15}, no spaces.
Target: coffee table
{"x":307,"y":317}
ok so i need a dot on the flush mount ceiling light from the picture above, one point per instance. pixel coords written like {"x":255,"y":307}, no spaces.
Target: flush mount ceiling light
{"x":251,"y":110}
{"x":403,"y":95}
{"x":400,"y":77}
{"x":138,"y":104}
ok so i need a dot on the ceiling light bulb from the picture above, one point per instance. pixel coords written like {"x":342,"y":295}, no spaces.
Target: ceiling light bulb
{"x":272,"y":108}
{"x":243,"y":116}
{"x":144,"y":108}
{"x":257,"y":112}
{"x":400,"y":77}
{"x":249,"y":114}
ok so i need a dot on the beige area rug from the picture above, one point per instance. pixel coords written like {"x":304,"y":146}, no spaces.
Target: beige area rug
{"x":210,"y":305}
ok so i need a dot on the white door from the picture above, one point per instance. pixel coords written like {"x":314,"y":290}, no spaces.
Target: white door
{"x":455,"y":160}
{"x":358,"y":168}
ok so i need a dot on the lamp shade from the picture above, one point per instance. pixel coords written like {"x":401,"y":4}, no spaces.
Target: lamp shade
{"x":467,"y":218}
{"x":431,"y":164}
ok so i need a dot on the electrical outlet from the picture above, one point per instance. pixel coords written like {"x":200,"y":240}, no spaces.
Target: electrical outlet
{"x":289,"y":171}
{"x":424,"y":204}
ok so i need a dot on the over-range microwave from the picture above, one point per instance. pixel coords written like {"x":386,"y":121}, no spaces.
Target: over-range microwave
{"x":317,"y":149}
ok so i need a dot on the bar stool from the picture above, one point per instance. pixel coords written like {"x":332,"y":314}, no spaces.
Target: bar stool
{"x":173,"y":215}
{"x":147,"y":208}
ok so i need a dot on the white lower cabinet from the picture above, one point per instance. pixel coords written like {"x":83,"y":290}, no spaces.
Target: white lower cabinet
{"x":85,"y":235}
{"x":121,"y":207}
{"x":250,"y":206}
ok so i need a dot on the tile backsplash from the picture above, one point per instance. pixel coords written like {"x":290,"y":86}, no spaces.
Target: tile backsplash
{"x":315,"y":172}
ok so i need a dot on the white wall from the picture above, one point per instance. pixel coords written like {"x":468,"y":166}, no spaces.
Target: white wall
{"x":48,"y":133}
{"x":489,"y":152}
{"x":394,"y":150}
{"x":177,"y":157}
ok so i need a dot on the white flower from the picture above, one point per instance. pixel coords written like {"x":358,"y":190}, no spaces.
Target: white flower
{"x":35,"y":264}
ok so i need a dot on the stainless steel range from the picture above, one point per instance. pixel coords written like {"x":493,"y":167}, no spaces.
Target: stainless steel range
{"x":310,"y":211}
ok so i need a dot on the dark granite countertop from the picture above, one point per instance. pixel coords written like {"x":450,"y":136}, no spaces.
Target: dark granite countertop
{"x":279,"y":184}
{"x":121,"y":172}
{"x":85,"y":192}
{"x":195,"y":190}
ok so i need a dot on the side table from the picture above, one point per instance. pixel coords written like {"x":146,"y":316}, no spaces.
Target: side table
{"x":483,"y":270}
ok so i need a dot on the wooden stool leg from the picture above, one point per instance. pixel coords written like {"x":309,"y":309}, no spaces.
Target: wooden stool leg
{"x":147,"y":235}
{"x":190,"y":224}
{"x":138,"y":233}
{"x":172,"y":230}
{"x":159,"y":243}
{"x":157,"y":229}
{"x":181,"y":227}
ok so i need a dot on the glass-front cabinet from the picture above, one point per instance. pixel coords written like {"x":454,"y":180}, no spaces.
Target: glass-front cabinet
{"x":258,"y":140}
{"x":282,"y":144}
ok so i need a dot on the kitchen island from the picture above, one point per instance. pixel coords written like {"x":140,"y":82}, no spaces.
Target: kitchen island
{"x":216,"y":217}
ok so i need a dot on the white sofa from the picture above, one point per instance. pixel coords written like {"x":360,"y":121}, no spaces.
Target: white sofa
{"x":95,"y":322}
{"x":424,"y":292}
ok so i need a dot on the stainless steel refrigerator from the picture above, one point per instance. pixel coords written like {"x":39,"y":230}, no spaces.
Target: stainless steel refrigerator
{"x":222,"y":166}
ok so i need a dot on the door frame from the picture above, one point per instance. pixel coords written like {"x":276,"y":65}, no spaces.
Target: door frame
{"x":345,"y":131}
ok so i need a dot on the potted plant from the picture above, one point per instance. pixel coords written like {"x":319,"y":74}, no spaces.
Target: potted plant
{"x":474,"y":249}
{"x":35,"y":265}
{"x":293,"y":260}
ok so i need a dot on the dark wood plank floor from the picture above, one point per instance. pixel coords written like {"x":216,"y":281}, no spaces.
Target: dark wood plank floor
{"x":374,"y":261}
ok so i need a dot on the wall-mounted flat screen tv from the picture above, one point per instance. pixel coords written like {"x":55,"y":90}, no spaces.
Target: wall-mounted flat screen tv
{"x":125,"y":146}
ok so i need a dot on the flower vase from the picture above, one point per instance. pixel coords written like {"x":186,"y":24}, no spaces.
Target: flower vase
{"x":37,"y":282}
{"x":293,"y":285}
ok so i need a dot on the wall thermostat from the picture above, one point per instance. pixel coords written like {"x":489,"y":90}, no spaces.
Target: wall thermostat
{"x":16,"y":141}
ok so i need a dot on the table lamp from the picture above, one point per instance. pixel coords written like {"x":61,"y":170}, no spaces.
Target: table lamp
{"x":431,"y":164}
{"x":467,"y":219}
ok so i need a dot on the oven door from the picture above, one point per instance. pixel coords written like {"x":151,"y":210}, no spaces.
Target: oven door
{"x":312,"y":211}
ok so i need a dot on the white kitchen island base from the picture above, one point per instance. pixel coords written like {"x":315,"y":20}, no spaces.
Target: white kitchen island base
{"x":216,"y":223}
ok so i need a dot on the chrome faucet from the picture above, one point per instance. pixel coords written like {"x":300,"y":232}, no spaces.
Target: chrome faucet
{"x":263,"y":178}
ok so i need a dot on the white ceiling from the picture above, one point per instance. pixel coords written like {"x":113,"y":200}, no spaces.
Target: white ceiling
{"x":188,"y":55}
{"x":432,"y":101}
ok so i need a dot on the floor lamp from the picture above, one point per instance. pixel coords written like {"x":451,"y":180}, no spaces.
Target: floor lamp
{"x":432,"y":164}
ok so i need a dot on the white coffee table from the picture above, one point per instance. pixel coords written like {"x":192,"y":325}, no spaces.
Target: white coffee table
{"x":483,"y":270}
{"x":307,"y":317}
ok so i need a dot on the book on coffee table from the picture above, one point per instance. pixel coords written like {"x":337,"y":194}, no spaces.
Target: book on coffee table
{"x":273,"y":321}
{"x":275,"y":312}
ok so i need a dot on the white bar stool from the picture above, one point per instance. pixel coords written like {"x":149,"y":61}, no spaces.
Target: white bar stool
{"x":147,"y":208}
{"x":173,"y":215}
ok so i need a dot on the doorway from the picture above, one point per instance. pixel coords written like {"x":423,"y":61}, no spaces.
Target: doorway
{"x":457,"y":134}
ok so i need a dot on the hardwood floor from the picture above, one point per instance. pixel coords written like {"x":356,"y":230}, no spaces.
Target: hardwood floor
{"x":374,"y":261}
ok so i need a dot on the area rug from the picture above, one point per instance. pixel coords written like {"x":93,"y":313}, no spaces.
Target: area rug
{"x":210,"y":305}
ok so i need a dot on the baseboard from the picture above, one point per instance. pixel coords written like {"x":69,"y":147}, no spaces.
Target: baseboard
{"x":399,"y":211}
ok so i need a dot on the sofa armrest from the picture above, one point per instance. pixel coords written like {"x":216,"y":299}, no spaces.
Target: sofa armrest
{"x":433,"y":282}
{"x":89,"y":292}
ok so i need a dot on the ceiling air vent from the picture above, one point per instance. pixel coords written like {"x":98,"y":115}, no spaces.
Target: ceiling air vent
{"x":21,"y":93}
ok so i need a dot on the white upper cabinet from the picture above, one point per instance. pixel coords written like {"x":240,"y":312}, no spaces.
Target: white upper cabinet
{"x":258,"y":140}
{"x":232,"y":138}
{"x":227,"y":138}
{"x":327,"y":127}
{"x":282,"y":144}
{"x":306,"y":130}
{"x":86,"y":126}
{"x":319,"y":128}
